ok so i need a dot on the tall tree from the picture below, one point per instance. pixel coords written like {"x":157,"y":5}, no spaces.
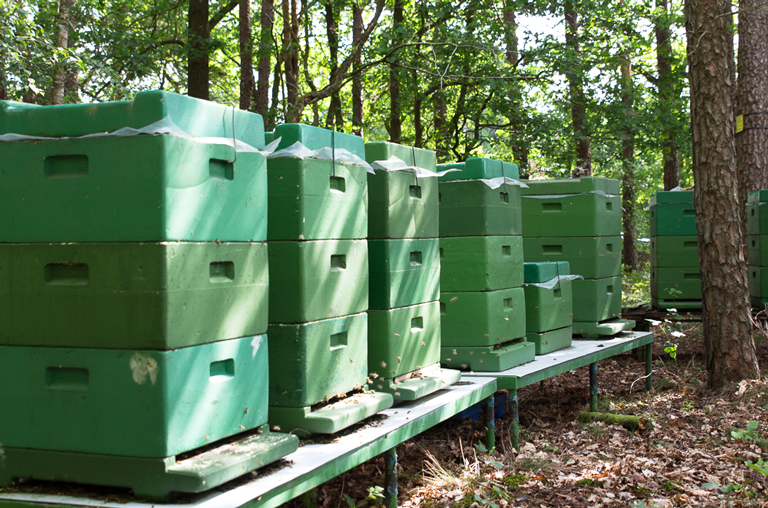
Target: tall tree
{"x":394,"y":125}
{"x":62,"y":36}
{"x":198,"y":45}
{"x":334,"y":118}
{"x":265,"y":53}
{"x":629,"y":254}
{"x":574,"y":74}
{"x":246,"y":56}
{"x":357,"y":79}
{"x":730,"y":349}
{"x":666,"y":87}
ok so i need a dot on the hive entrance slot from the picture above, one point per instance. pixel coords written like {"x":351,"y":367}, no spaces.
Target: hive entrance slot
{"x":66,"y":166}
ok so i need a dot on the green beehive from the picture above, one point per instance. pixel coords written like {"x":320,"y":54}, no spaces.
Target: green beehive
{"x":401,"y":205}
{"x":313,"y":199}
{"x":472,"y":208}
{"x":133,"y":403}
{"x":481,"y":263}
{"x":674,"y":251}
{"x":317,"y":280}
{"x":130,"y":189}
{"x":403,"y":272}
{"x":673,"y":219}
{"x":758,"y":250}
{"x":667,"y":197}
{"x":489,"y":358}
{"x":758,"y":281}
{"x":597,"y":300}
{"x":676,"y":283}
{"x":482,"y":318}
{"x":477,"y":167}
{"x":316,"y":138}
{"x":757,"y":212}
{"x":547,"y":308}
{"x":552,"y":340}
{"x":131,"y":295}
{"x":592,"y":257}
{"x":583,"y":185}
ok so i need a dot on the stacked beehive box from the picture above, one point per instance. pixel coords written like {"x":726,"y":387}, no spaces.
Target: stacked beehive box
{"x":579,"y":220}
{"x":675,"y":273}
{"x":134,"y":309}
{"x":318,"y":297}
{"x":757,"y":227}
{"x":548,"y":305}
{"x":403,"y":244}
{"x":481,"y":253}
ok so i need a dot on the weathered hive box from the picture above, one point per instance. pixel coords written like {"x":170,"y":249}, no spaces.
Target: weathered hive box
{"x":401,"y":204}
{"x":758,"y":250}
{"x":479,"y":168}
{"x":481,"y":263}
{"x":482,"y":318}
{"x":129,"y":188}
{"x":587,"y":206}
{"x":674,"y":251}
{"x":592,"y":257}
{"x":598,"y":299}
{"x":403,"y":272}
{"x":321,"y":279}
{"x":552,"y":340}
{"x":131,"y":295}
{"x":547,"y":308}
{"x":672,"y":214}
{"x":676,"y":283}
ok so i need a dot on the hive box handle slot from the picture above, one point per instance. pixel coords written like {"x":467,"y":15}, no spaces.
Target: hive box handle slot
{"x":556,"y":292}
{"x":65,"y":166}
{"x":504,"y":196}
{"x":509,"y":304}
{"x":690,"y":211}
{"x":695,"y":245}
{"x":415,"y":191}
{"x":338,"y":262}
{"x":552,"y":207}
{"x":691,"y":276}
{"x":221,"y":169}
{"x":417,"y":324}
{"x":66,"y":274}
{"x":609,"y":289}
{"x":416,"y":258}
{"x":222,"y":271}
{"x":608,"y":205}
{"x":222,"y":370}
{"x":551,"y":249}
{"x":338,"y":340}
{"x":506,"y":250}
{"x":442,"y":308}
{"x":338,"y":184}
{"x":609,"y":247}
{"x":66,"y":378}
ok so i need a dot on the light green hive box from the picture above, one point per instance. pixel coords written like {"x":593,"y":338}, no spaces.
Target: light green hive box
{"x":131,"y":295}
{"x":588,"y":206}
{"x":401,"y":205}
{"x":135,"y":403}
{"x":482,"y":318}
{"x":489,"y":358}
{"x":757,"y":250}
{"x":472,"y":208}
{"x":316,"y":138}
{"x":403,"y":272}
{"x":547,"y":308}
{"x":312,"y":199}
{"x":481,"y":263}
{"x":674,"y":251}
{"x":677,"y":283}
{"x":403,"y":340}
{"x":673,"y":219}
{"x":552,"y":340}
{"x":321,"y":279}
{"x":596,"y":299}
{"x":592,"y":257}
{"x":478,"y":167}
{"x":136,"y":188}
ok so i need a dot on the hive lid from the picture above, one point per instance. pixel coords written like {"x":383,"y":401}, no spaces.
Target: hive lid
{"x":572,"y":186}
{"x":316,"y":138}
{"x":479,"y":168}
{"x":412,"y":156}
{"x":543,"y":271}
{"x":672,"y":197}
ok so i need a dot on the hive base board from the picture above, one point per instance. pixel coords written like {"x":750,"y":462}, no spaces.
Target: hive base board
{"x":425,"y":381}
{"x":303,"y":421}
{"x":662,"y":304}
{"x":489,"y":358}
{"x":150,"y":478}
{"x":552,"y":340}
{"x":589,"y":330}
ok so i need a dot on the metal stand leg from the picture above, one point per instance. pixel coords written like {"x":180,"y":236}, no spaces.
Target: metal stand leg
{"x":648,"y":367}
{"x":514,"y":430}
{"x":593,"y":390}
{"x":390,"y":478}
{"x":490,"y":423}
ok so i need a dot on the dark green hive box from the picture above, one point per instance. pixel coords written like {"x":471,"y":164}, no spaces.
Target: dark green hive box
{"x":482,"y":318}
{"x":313,"y":199}
{"x":131,"y":295}
{"x":672,"y":251}
{"x":489,"y":358}
{"x":758,"y":250}
{"x":403,"y":340}
{"x":544,"y":271}
{"x":130,"y":189}
{"x":572,"y":186}
{"x":758,"y":196}
{"x":758,"y":282}
{"x":672,"y":197}
{"x":569,"y":215}
{"x":315,"y":138}
{"x":673,"y":219}
{"x":321,"y":279}
{"x":481,"y":263}
{"x":135,"y":403}
{"x":552,"y":340}
{"x":592,"y":257}
{"x":478,"y":167}
{"x":669,"y":303}
{"x":403,"y":272}
{"x":678,"y":283}
{"x":596,"y":299}
{"x":547,"y":308}
{"x":401,"y":205}
{"x":757,"y":218}
{"x":471,"y":208}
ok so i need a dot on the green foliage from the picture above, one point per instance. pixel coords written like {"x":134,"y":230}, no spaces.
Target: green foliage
{"x":749,"y":434}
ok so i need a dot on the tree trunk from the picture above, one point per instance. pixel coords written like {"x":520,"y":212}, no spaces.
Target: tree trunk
{"x":730,"y":349}
{"x":197,"y":71}
{"x":357,"y":80}
{"x":265,"y":55}
{"x":246,"y":56}
{"x":72,"y":87}
{"x":441,"y":125}
{"x":395,"y":125}
{"x":62,"y":38}
{"x":666,"y":99}
{"x":290,"y":42}
{"x":629,"y":255}
{"x":334,"y":117}
{"x":578,"y":102}
{"x":519,"y":150}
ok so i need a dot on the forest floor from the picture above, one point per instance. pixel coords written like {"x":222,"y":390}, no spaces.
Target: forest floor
{"x":691,"y":457}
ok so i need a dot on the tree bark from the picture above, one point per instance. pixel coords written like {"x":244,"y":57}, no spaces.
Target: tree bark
{"x":247,"y":83}
{"x":198,"y":71}
{"x":265,"y":55}
{"x":395,"y":125}
{"x":62,"y":42}
{"x":629,"y":255}
{"x":666,"y":98}
{"x":576,"y":87}
{"x":334,"y":118}
{"x":728,"y":342}
{"x":290,"y":56}
{"x":357,"y":80}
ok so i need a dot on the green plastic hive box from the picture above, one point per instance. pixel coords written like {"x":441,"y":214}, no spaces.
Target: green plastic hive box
{"x":567,"y":215}
{"x":130,"y":189}
{"x":312,"y":199}
{"x":592,"y":257}
{"x":666,"y":197}
{"x":412,"y":156}
{"x":403,"y":272}
{"x":489,"y":358}
{"x":673,"y":219}
{"x":678,"y":283}
{"x":674,"y":251}
{"x":758,"y":196}
{"x":552,"y":340}
{"x":478,"y":167}
{"x":671,"y":303}
{"x":481,"y":263}
{"x":757,"y":217}
{"x":136,"y":403}
{"x":316,"y":138}
{"x":572,"y":186}
{"x":418,"y":384}
{"x":758,"y":281}
{"x":486,"y":318}
{"x":757,"y":250}
{"x":472,"y":208}
{"x":403,"y":340}
{"x":596,"y":299}
{"x":132,"y":295}
{"x":547,"y":308}
{"x":596,"y":330}
{"x":322,"y":279}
